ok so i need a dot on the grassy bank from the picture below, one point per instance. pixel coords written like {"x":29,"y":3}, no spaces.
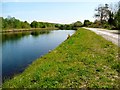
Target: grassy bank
{"x":83,"y":60}
{"x":26,"y":29}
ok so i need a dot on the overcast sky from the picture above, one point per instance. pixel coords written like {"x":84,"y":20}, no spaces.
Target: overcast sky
{"x":56,"y":12}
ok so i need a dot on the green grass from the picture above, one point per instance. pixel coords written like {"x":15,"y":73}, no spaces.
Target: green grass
{"x":85,"y":60}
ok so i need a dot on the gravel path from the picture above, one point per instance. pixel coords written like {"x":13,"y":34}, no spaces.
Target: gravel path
{"x":111,"y":35}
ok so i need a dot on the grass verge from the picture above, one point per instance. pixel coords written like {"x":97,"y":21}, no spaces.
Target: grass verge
{"x":85,"y":60}
{"x":26,"y":29}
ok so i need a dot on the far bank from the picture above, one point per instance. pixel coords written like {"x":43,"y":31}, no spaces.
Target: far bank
{"x":25,"y":29}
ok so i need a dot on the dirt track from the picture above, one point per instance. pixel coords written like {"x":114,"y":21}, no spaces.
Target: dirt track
{"x":111,"y":35}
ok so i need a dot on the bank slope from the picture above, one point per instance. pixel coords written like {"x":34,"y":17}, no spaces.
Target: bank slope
{"x":83,"y":60}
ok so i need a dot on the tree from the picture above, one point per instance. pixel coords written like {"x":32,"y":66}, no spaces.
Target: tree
{"x":111,"y":20}
{"x":87,"y":23}
{"x":25,"y":25}
{"x":34,"y":24}
{"x":17,"y":24}
{"x":41,"y":25}
{"x":117,"y":17}
{"x":102,"y":12}
{"x":77,"y":24}
{"x":1,"y":23}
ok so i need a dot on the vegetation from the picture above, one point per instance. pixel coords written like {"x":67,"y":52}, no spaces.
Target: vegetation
{"x":107,"y":17}
{"x":83,"y":60}
{"x":73,"y":26}
{"x":87,"y":23}
{"x":117,"y":17}
{"x":12,"y":23}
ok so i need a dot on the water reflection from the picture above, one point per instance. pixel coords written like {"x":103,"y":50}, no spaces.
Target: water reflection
{"x":19,"y":35}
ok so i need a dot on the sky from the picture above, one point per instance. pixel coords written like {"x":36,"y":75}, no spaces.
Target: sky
{"x":52,"y":11}
{"x":58,"y":0}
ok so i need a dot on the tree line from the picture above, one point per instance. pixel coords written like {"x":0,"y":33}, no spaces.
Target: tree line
{"x":106,"y":17}
{"x":13,"y":23}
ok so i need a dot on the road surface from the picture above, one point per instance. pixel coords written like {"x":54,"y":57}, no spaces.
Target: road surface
{"x":111,"y":35}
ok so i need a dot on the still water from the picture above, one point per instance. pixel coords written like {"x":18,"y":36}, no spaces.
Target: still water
{"x":20,"y":50}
